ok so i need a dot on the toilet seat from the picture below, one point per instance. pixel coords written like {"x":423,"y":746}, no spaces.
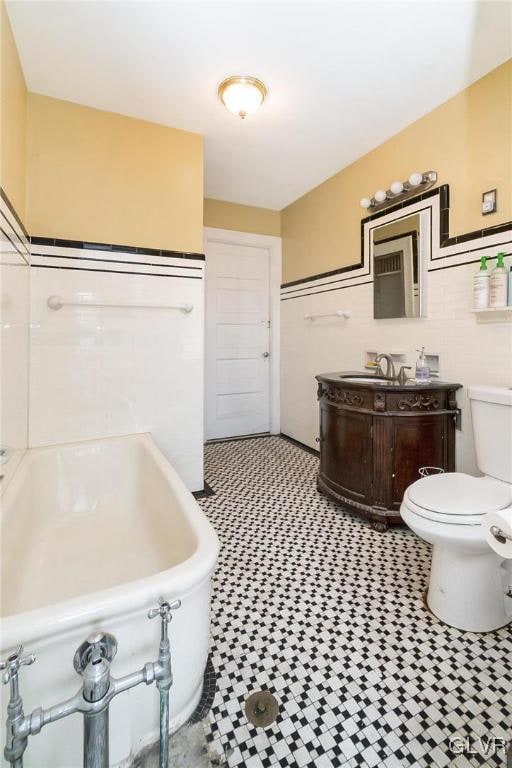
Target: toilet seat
{"x":456,"y":498}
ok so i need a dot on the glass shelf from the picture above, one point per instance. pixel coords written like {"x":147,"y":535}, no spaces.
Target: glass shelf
{"x":493,"y":314}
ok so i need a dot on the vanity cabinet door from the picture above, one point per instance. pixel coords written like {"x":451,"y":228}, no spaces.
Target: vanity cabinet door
{"x":418,"y":441}
{"x":346,"y":452}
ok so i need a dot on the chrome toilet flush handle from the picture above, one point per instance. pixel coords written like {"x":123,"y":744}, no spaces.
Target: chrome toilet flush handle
{"x":500,"y":535}
{"x":5,"y":454}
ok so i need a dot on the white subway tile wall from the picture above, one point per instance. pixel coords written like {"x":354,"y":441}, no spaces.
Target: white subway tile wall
{"x":470,"y":352}
{"x":14,"y":340}
{"x":105,"y":371}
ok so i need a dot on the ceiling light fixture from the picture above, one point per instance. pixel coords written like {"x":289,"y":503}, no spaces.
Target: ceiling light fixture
{"x":242,"y":94}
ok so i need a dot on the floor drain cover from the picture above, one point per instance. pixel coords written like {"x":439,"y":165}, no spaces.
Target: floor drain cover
{"x":261,"y":708}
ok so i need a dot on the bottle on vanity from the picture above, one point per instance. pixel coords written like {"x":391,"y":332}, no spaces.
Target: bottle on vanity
{"x":422,"y":369}
{"x":498,"y":284}
{"x":481,"y":286}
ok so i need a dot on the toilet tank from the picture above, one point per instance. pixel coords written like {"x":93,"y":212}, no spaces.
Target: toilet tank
{"x":491,"y":411}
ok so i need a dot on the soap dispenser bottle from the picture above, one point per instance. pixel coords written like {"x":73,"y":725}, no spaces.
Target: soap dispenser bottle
{"x":481,"y":286}
{"x":498,"y":284}
{"x":422,"y":369}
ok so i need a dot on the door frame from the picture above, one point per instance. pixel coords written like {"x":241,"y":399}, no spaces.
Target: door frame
{"x":273,"y":245}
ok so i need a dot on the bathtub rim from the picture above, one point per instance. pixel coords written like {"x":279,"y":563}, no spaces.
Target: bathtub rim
{"x":175,"y":582}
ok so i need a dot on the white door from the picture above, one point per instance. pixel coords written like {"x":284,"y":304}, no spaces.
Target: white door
{"x":237,"y":340}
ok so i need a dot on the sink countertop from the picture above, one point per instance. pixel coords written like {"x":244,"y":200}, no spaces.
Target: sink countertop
{"x":371,"y":382}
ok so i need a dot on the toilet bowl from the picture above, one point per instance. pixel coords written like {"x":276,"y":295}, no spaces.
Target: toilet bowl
{"x":468,"y":580}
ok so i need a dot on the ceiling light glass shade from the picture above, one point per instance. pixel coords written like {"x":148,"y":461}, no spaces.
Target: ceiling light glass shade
{"x":380,"y":195}
{"x":365,"y":202}
{"x":415,"y":179}
{"x":397,"y":187}
{"x":242,"y":95}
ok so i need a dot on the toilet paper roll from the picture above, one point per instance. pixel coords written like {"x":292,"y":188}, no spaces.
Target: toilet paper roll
{"x":498,"y":531}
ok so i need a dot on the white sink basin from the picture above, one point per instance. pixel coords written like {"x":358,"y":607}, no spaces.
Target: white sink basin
{"x":367,"y":379}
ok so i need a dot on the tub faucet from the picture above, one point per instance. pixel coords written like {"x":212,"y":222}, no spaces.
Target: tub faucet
{"x":17,"y":731}
{"x":390,"y":367}
{"x":92,"y":661}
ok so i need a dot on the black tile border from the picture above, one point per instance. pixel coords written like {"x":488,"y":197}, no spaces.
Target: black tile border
{"x":113,"y":261}
{"x":208,"y":694}
{"x":115,"y":271}
{"x":114,"y":248}
{"x":9,"y":238}
{"x":340,"y":271}
{"x":298,"y":444}
{"x":205,"y":493}
{"x":444,"y":228}
{"x":12,"y":210}
{"x":462,"y":263}
{"x":326,"y":290}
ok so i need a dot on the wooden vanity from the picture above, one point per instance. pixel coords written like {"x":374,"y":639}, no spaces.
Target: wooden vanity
{"x":375,"y":436}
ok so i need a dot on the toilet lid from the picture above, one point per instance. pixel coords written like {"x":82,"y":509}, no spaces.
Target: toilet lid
{"x":457,"y":494}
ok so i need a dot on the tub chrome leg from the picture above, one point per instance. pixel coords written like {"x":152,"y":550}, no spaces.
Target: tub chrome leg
{"x":164,"y":673}
{"x":164,"y":729}
{"x":96,"y":752}
{"x":92,"y":661}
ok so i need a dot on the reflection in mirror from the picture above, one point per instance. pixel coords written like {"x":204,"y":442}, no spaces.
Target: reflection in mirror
{"x":396,"y":273}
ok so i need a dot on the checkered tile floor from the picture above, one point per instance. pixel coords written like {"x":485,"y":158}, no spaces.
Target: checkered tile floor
{"x":312,"y":604}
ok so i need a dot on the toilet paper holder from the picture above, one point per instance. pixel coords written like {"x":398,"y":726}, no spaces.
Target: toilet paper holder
{"x":500,"y":535}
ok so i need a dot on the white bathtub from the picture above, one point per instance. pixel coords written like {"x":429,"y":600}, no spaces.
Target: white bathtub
{"x":92,"y":534}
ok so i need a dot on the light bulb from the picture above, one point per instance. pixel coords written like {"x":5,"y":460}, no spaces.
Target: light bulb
{"x":397,"y":187}
{"x":365,"y":202}
{"x":415,"y":179}
{"x":380,"y":195}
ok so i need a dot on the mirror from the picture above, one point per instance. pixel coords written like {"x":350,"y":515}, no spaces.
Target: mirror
{"x":396,"y":269}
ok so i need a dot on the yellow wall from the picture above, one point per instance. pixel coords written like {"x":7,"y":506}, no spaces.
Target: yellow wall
{"x":467,"y":140}
{"x":103,"y":177}
{"x":13,"y":118}
{"x":243,"y":218}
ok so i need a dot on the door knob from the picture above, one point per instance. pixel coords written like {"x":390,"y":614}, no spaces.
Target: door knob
{"x":265,"y":354}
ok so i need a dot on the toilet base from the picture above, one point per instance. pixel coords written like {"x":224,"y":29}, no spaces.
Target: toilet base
{"x":467,"y":590}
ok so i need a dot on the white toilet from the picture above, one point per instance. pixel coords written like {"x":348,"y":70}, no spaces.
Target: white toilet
{"x":468,"y":581}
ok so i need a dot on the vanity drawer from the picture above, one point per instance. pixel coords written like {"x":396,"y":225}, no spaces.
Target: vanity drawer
{"x":416,"y":402}
{"x":337,"y":394}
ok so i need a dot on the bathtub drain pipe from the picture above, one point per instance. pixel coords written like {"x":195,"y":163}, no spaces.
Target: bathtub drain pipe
{"x":92,"y":662}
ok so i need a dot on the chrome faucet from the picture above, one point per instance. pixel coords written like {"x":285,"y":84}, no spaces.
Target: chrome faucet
{"x":390,"y":367}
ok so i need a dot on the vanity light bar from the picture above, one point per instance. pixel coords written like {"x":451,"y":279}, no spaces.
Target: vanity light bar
{"x":400,"y":190}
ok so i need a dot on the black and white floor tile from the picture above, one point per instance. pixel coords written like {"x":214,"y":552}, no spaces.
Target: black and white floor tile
{"x":313,"y":605}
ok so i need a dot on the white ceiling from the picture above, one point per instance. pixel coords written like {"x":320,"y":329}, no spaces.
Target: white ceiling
{"x":342,"y":76}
